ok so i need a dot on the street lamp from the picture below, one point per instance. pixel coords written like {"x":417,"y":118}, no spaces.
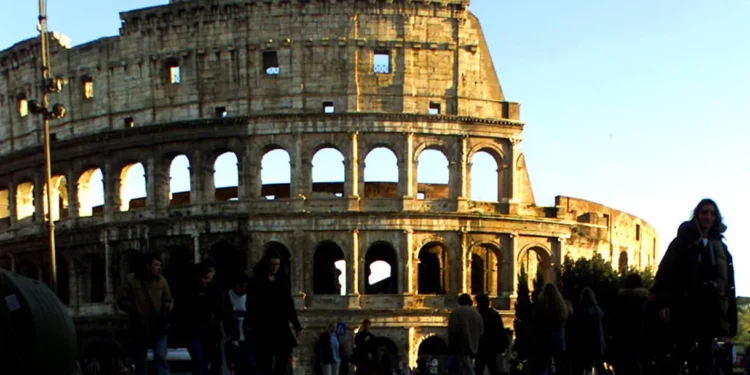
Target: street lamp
{"x":49,"y":85}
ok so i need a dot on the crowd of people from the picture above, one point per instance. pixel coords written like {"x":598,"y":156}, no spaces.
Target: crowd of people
{"x":251,"y":327}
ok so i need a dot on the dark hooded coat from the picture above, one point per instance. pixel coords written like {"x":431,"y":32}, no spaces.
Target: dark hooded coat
{"x":696,"y":282}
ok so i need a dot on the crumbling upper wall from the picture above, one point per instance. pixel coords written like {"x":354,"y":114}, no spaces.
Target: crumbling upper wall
{"x":437,"y":55}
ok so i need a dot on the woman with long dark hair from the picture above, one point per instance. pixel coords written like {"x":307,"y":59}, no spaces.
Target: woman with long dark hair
{"x":550,"y":317}
{"x":694,"y":287}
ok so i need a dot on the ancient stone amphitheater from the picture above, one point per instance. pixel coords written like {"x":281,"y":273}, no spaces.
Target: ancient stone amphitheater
{"x":235,"y":80}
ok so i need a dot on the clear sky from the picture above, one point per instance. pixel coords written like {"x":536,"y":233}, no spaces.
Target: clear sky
{"x":642,"y":105}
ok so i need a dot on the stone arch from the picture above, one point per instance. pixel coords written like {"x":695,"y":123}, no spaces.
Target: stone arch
{"x":286,"y":258}
{"x":276,"y":172}
{"x":623,"y":262}
{"x":384,"y":346}
{"x":536,"y":259}
{"x":381,"y":251}
{"x":433,"y":270}
{"x":4,"y":206}
{"x":25,"y":202}
{"x":486,"y":173}
{"x":433,"y":173}
{"x":59,"y":198}
{"x":132,"y":187}
{"x":378,"y":182}
{"x":486,"y":269}
{"x":179,"y":179}
{"x":327,"y":275}
{"x":328,"y":180}
{"x":431,"y":353}
{"x":226,"y":175}
{"x":91,"y":195}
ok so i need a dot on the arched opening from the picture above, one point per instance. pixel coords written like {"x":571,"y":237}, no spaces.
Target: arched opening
{"x":127,"y":262}
{"x":328,"y":173}
{"x":385,"y":350}
{"x":623,"y":262}
{"x":230,"y":261}
{"x":381,"y":269}
{"x":485,"y":275}
{"x":59,"y":198}
{"x":432,"y":355}
{"x":97,"y":279}
{"x":132,"y":187}
{"x":179,"y":181}
{"x":327,"y":277}
{"x":28,"y":269}
{"x":433,"y":175}
{"x":63,"y":280}
{"x":24,"y":200}
{"x":381,"y":174}
{"x":484,"y":177}
{"x":91,"y":193}
{"x":177,"y":266}
{"x":226,"y":177}
{"x":433,"y":269}
{"x":286,"y":259}
{"x":4,"y":209}
{"x":537,"y":263}
{"x":276,"y":174}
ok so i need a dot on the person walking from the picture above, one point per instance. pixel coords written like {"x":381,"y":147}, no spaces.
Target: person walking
{"x":272,"y":312}
{"x":493,"y":341}
{"x":628,"y":326}
{"x":465,"y":328}
{"x":328,"y":351}
{"x":590,"y":328}
{"x":198,"y":315}
{"x":234,"y":304}
{"x":364,"y":350}
{"x":694,"y":288}
{"x":146,"y":298}
{"x":550,"y":317}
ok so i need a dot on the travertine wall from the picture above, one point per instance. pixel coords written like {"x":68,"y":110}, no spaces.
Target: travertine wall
{"x":325,"y":52}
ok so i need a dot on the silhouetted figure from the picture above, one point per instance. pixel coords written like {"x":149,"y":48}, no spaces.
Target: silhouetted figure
{"x":465,"y":328}
{"x":494,"y":339}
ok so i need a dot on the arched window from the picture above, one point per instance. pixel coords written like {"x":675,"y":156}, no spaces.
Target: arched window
{"x":179,"y":181}
{"x":484,"y":177}
{"x":276,"y":174}
{"x":433,"y":175}
{"x":328,"y":172}
{"x":381,"y":173}
{"x":433,"y":270}
{"x":327,"y":276}
{"x":381,"y":268}
{"x":59,"y":198}
{"x":226,"y":177}
{"x":485,"y":276}
{"x":132,"y":187}
{"x":24,"y":200}
{"x":91,"y":192}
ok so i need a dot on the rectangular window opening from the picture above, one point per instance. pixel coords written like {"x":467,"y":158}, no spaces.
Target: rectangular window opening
{"x":434,"y":108}
{"x":270,"y":197}
{"x":221,"y":112}
{"x":339,"y":195}
{"x":381,"y":62}
{"x":271,"y":63}
{"x":129,"y":122}
{"x":420,"y":196}
{"x":637,"y":232}
{"x":174,"y":71}
{"x":88,"y":88}
{"x":23,"y":107}
{"x":328,"y":107}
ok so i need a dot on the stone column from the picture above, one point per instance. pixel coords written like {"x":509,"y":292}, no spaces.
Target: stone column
{"x":352,"y":173}
{"x":157,"y":184}
{"x":250,"y":177}
{"x":408,"y":182}
{"x":409,"y":262}
{"x":13,"y":205}
{"x":73,"y":284}
{"x":73,"y":205}
{"x":514,"y":269}
{"x":109,"y":290}
{"x":296,"y":180}
{"x":112,"y":185}
{"x":39,"y":193}
{"x":353,"y":277}
{"x":465,"y":261}
{"x":196,"y":247}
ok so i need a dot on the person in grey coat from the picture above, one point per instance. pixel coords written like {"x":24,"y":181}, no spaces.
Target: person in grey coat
{"x":465,"y":328}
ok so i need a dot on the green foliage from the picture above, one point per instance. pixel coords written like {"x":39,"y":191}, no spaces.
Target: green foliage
{"x":743,"y":321}
{"x":646,"y":274}
{"x":524,"y":316}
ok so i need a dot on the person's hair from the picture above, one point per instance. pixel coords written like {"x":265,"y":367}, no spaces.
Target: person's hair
{"x":366,"y":321}
{"x":633,"y":281}
{"x":240,"y":278}
{"x":718,"y":227}
{"x":588,"y":298}
{"x":261,"y":268}
{"x":464,"y":300}
{"x":202,"y":269}
{"x":552,"y":305}
{"x":149,"y":258}
{"x":483,"y":300}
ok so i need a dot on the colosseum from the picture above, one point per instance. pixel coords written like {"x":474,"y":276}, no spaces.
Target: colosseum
{"x":230,"y":81}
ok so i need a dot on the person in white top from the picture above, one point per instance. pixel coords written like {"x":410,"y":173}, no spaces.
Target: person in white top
{"x":239,"y":355}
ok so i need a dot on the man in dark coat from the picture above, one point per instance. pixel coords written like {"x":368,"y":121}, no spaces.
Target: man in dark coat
{"x":465,"y":328}
{"x":493,"y":341}
{"x":694,"y":287}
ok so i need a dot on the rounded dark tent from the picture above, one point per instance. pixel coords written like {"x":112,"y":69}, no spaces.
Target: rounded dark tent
{"x":37,"y":335}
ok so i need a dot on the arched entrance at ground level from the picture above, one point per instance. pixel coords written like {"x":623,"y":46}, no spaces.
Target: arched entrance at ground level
{"x":177,"y":266}
{"x":485,"y":270}
{"x":230,"y":262}
{"x":538,"y":264}
{"x":279,"y":248}
{"x":381,"y":269}
{"x":385,"y":347}
{"x":432,"y":355}
{"x":328,"y":277}
{"x":433,"y":269}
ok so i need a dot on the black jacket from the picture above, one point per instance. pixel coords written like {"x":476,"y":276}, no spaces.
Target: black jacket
{"x":272,"y":313}
{"x":696,"y":304}
{"x":494,"y":340}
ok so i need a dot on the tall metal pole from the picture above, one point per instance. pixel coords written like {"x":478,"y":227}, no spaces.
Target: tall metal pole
{"x":48,"y":161}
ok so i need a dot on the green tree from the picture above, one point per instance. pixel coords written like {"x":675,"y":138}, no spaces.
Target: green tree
{"x":743,"y":321}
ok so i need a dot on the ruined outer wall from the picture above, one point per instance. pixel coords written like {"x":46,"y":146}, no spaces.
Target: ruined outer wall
{"x":325,"y":53}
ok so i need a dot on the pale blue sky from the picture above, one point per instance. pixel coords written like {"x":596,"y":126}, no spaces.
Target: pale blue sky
{"x":641,"y":104}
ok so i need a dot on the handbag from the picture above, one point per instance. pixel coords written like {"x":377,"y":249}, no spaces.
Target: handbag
{"x":158,"y":321}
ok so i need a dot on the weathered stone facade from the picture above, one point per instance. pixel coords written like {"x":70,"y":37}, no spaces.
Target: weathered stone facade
{"x":203,"y":79}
